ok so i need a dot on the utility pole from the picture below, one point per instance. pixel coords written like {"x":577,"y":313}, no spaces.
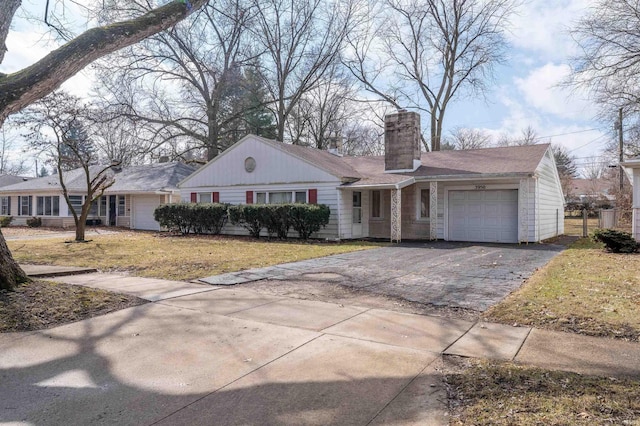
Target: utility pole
{"x":620,"y":148}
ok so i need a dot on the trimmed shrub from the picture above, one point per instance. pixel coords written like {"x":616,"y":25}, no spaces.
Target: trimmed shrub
{"x":5,"y":221}
{"x":248,"y":216}
{"x":34,"y":222}
{"x":276,"y":218}
{"x":308,"y":218}
{"x":616,"y":241}
{"x":185,"y":218}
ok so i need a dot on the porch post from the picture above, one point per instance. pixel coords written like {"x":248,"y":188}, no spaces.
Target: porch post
{"x":433,"y":210}
{"x":396,"y":215}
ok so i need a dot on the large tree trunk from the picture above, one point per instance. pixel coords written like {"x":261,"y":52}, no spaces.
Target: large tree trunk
{"x":24,"y":87}
{"x":10,"y":272}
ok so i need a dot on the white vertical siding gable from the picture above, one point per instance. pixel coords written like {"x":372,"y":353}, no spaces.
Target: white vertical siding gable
{"x":550,"y":200}
{"x":273,"y":166}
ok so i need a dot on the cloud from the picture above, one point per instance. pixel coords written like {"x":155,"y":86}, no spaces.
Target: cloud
{"x":542,"y":27}
{"x":541,"y":89}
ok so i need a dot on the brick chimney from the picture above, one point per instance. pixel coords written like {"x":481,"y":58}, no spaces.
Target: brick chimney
{"x":401,"y":141}
{"x":335,"y":144}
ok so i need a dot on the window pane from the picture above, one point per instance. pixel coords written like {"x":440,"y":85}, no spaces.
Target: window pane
{"x":261,"y":197}
{"x":76,"y":203}
{"x":279,"y":197}
{"x":301,"y":197}
{"x":357,"y":199}
{"x":56,"y":206}
{"x":4,"y":208}
{"x":424,"y":203}
{"x":357,"y":215}
{"x":205,"y":197}
{"x":121,"y":205}
{"x":39,"y":206}
{"x":103,"y":205}
{"x":47,"y":206}
{"x":375,"y":204}
{"x":93,"y":210}
{"x":24,"y":206}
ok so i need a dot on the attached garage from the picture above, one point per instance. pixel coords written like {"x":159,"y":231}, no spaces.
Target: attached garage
{"x":483,"y":216}
{"x":144,"y":206}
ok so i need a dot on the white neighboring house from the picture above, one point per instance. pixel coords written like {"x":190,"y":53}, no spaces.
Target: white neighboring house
{"x":129,"y":202}
{"x":505,"y":195}
{"x":634,"y":166}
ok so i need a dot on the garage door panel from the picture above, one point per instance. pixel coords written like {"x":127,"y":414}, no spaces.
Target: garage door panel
{"x":483,"y":216}
{"x":144,"y":206}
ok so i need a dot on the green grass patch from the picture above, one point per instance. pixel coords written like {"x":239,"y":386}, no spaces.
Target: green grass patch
{"x":173,"y":257}
{"x":491,"y":393}
{"x":584,"y":290}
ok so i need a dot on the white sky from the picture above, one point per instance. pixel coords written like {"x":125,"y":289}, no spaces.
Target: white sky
{"x":526,"y":90}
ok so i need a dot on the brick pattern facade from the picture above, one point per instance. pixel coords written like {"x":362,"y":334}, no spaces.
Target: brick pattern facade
{"x":401,"y":140}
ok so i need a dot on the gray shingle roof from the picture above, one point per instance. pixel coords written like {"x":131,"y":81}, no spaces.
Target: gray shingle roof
{"x":6,"y":180}
{"x":493,"y":161}
{"x":146,"y":178}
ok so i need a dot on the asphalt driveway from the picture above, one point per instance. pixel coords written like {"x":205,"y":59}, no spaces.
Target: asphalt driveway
{"x":465,"y":275}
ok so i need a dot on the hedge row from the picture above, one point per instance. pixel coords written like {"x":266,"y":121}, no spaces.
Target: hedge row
{"x":276,"y":219}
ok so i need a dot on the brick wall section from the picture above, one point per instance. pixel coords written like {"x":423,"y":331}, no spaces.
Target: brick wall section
{"x":401,"y":140}
{"x":412,"y":229}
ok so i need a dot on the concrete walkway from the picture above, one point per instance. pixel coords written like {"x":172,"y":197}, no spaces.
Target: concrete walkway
{"x":228,"y":355}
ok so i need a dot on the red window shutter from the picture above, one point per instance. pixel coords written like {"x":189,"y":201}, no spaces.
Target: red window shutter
{"x":313,"y":196}
{"x":249,"y":197}
{"x":194,"y":197}
{"x":215,"y":197}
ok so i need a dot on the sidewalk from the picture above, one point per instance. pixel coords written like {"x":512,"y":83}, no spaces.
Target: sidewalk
{"x":201,"y":352}
{"x":542,"y":348}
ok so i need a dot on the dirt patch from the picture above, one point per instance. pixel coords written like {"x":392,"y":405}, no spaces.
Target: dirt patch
{"x":332,"y":292}
{"x":43,"y":304}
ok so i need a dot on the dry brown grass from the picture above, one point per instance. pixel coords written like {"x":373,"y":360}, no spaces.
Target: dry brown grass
{"x":584,"y":290}
{"x":42,"y":304}
{"x":173,"y":257}
{"x":491,"y":393}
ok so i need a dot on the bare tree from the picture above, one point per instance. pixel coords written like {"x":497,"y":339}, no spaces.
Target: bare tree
{"x":528,"y":136}
{"x":7,"y":143}
{"x":24,"y":87}
{"x":465,"y":138}
{"x":70,"y":148}
{"x":302,"y":40}
{"x":433,"y":51}
{"x":190,"y":75}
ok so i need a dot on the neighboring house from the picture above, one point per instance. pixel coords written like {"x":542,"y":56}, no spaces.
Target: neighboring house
{"x":634,"y":166}
{"x":591,"y":191}
{"x":129,"y":202}
{"x":509,"y":195}
{"x":6,"y":180}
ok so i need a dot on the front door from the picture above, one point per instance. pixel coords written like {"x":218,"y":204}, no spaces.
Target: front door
{"x":112,"y":210}
{"x":356,"y":229}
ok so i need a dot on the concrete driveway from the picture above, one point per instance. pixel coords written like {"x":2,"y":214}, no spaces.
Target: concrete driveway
{"x":464,"y":275}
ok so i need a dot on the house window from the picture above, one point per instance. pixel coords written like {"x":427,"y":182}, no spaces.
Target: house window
{"x":76,"y":202}
{"x":24,"y":205}
{"x":122,"y":207}
{"x":204,"y":197}
{"x":301,"y":196}
{"x":425,"y":203}
{"x":48,"y":206}
{"x":5,"y":206}
{"x":281,"y":197}
{"x":376,"y":204}
{"x":94,"y":209}
{"x":103,"y":205}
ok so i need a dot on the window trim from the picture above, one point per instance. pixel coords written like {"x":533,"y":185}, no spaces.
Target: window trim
{"x":6,"y":198}
{"x":41,"y":205}
{"x":380,"y":205}
{"x":21,"y":205}
{"x":419,"y":216}
{"x":293,"y":192}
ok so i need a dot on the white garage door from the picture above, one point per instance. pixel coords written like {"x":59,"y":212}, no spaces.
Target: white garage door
{"x":144,"y":205}
{"x":483,"y":216}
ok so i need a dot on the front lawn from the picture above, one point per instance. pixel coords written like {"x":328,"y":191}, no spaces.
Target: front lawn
{"x":43,"y":304}
{"x":492,"y":393}
{"x":173,"y":257}
{"x":583,"y":290}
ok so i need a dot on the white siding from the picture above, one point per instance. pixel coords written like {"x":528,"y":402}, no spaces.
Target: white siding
{"x":273,"y":166}
{"x":142,"y":208}
{"x":550,"y":205}
{"x":327,"y":194}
